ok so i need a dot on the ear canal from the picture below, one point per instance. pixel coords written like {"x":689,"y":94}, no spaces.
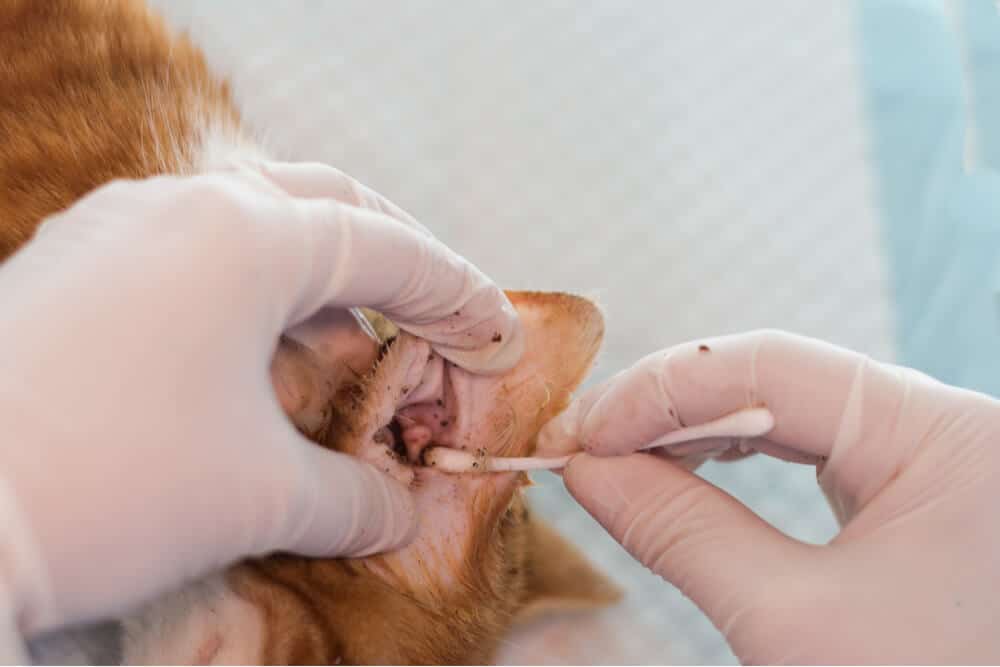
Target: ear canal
{"x":559,"y":578}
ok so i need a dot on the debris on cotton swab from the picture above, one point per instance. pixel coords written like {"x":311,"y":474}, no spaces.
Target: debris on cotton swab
{"x":749,"y":423}
{"x":456,"y":460}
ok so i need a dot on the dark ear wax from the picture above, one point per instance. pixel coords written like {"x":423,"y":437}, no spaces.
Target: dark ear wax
{"x":397,"y":438}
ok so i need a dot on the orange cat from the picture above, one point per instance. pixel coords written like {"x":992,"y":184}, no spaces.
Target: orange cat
{"x":94,"y":90}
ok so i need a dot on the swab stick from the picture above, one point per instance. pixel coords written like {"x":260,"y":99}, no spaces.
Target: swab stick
{"x":749,"y":423}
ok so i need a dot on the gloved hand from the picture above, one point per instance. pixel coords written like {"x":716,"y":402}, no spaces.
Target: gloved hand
{"x":142,"y":439}
{"x":909,"y":465}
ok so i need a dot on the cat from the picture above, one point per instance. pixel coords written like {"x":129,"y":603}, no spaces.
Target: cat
{"x":95,"y":90}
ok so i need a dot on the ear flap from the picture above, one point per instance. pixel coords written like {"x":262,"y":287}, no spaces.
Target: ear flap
{"x":563,"y":334}
{"x":559,"y":578}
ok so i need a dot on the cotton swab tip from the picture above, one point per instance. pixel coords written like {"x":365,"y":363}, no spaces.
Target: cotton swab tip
{"x":747,"y":423}
{"x":452,"y":460}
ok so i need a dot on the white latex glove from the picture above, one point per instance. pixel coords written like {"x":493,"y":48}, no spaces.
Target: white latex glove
{"x":910,"y":466}
{"x":142,"y":439}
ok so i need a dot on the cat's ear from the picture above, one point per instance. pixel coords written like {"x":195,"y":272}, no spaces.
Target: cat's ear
{"x":558,"y":578}
{"x":562,"y":336}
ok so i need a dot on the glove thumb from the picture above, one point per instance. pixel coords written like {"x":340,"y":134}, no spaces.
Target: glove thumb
{"x":344,"y":507}
{"x":691,"y":533}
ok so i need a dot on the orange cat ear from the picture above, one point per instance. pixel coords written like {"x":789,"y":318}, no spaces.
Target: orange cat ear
{"x":562,"y":336}
{"x":559,"y":578}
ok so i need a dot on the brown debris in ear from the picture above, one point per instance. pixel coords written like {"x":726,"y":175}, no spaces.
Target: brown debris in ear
{"x":558,"y":578}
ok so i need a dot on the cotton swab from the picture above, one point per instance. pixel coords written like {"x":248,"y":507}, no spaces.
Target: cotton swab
{"x":749,"y":423}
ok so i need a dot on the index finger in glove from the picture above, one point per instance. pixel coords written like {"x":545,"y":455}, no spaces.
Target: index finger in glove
{"x":345,"y":257}
{"x":819,"y":394}
{"x":341,"y":507}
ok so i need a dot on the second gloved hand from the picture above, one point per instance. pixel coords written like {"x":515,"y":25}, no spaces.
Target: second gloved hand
{"x":909,"y":465}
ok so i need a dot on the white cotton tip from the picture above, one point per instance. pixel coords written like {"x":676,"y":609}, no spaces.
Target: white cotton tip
{"x":452,"y":460}
{"x":748,"y":423}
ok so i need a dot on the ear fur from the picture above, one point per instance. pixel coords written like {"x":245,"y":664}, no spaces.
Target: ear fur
{"x":559,"y":578}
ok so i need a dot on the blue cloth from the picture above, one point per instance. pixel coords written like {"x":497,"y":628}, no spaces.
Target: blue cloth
{"x":932,"y":85}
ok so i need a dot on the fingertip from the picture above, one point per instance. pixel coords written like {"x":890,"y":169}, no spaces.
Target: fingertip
{"x":586,"y":471}
{"x":560,"y":436}
{"x":588,"y":426}
{"x":500,"y":347}
{"x":606,"y":486}
{"x":569,"y":470}
{"x":622,"y":417}
{"x":404,"y":527}
{"x":592,"y":483}
{"x":347,"y":508}
{"x":392,"y":512}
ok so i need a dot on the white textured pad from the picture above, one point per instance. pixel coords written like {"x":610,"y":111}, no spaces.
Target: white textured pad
{"x":701,"y":164}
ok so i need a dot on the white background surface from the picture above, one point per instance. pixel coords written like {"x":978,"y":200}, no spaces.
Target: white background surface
{"x":701,"y":166}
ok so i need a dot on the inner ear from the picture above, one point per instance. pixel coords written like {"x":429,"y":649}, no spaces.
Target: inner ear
{"x":558,"y":578}
{"x":502,"y":414}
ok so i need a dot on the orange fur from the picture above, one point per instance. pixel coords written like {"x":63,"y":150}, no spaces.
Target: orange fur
{"x":94,"y":90}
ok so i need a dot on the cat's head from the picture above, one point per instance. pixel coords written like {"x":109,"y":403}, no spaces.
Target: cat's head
{"x":480,"y":562}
